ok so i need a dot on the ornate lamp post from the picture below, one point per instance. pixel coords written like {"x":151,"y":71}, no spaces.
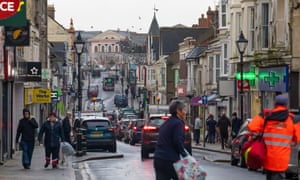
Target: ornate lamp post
{"x":79,"y":45}
{"x":241,"y":44}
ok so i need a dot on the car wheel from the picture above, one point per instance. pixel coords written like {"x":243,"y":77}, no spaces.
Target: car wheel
{"x":242,"y":162}
{"x":144,"y":154}
{"x":113,"y":148}
{"x":132,"y":142}
{"x":234,"y":162}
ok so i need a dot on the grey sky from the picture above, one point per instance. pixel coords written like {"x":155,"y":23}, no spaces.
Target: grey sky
{"x":134,"y":15}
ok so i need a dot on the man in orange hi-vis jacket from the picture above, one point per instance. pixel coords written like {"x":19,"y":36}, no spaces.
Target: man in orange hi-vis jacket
{"x":279,"y":133}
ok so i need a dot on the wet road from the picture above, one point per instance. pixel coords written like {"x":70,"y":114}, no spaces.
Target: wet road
{"x":132,"y":168}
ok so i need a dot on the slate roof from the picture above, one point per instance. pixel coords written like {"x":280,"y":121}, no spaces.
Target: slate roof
{"x":196,"y":52}
{"x":154,"y":27}
{"x":58,"y":51}
{"x":170,"y":37}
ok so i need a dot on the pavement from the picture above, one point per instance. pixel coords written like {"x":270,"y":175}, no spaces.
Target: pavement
{"x":13,"y":169}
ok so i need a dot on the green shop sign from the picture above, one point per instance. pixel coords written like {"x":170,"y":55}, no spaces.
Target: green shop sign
{"x":273,"y":79}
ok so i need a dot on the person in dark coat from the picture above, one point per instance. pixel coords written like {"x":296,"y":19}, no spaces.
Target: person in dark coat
{"x":223,"y":125}
{"x":27,"y":127}
{"x":236,"y":125}
{"x":211,"y":128}
{"x":170,"y":144}
{"x":53,"y":134}
{"x":66,"y":125}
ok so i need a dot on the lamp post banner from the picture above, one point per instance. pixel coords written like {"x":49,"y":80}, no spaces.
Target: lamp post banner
{"x":13,"y":13}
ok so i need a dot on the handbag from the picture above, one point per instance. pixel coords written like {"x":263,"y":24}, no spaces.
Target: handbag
{"x":187,"y":168}
{"x":67,"y":149}
{"x":254,"y":151}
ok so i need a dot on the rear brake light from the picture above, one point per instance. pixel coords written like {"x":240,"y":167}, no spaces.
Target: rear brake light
{"x":186,"y":128}
{"x":150,"y":128}
{"x":134,"y":128}
{"x":165,"y":117}
{"x":111,"y":130}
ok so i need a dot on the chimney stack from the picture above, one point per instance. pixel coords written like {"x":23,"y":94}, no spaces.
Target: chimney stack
{"x":51,"y":11}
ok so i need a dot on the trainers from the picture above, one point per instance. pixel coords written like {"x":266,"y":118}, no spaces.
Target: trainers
{"x":26,"y":167}
{"x":54,"y":166}
{"x":46,"y":165}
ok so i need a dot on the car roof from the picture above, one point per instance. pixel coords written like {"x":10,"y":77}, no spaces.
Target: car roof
{"x":158,"y":115}
{"x":86,"y":118}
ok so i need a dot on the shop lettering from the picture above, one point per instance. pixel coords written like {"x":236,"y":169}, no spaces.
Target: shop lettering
{"x":7,"y":6}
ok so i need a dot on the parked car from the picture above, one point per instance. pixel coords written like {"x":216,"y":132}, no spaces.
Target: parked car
{"x":237,"y":144}
{"x":99,"y":133}
{"x":150,"y":134}
{"x":122,"y":128}
{"x":93,"y":90}
{"x":136,"y":133}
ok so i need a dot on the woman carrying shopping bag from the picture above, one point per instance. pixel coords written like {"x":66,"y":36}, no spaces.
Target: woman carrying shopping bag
{"x":170,"y":145}
{"x":53,"y":135}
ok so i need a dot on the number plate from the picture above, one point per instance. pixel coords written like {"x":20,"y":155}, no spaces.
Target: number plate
{"x":97,"y":135}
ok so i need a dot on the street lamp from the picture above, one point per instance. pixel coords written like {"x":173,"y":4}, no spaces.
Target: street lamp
{"x":79,"y":45}
{"x":65,"y":67}
{"x":241,"y":44}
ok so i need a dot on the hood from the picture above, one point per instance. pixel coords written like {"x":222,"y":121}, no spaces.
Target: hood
{"x":26,"y":110}
{"x":281,"y":115}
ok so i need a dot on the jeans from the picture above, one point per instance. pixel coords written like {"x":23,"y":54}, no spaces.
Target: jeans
{"x":27,"y":147}
{"x":197,"y":135}
{"x":164,"y":169}
{"x":54,"y":151}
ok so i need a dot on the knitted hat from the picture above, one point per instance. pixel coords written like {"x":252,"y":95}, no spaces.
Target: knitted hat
{"x":281,"y":100}
{"x":26,"y":110}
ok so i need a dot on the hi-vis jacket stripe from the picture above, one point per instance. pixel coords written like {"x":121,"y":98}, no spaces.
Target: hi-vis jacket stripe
{"x":281,"y":139}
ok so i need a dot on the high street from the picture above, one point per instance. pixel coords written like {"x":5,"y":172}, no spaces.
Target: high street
{"x":131,"y":166}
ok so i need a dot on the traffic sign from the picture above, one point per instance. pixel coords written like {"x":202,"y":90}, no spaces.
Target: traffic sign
{"x":204,"y":100}
{"x":246,"y":85}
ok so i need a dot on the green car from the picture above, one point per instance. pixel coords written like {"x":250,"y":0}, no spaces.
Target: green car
{"x":99,"y":133}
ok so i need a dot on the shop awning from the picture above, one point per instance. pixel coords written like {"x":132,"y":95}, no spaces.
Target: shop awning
{"x":195,"y":101}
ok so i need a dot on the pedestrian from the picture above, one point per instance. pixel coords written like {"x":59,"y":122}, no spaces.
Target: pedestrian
{"x":197,"y":130}
{"x":170,"y":144}
{"x":236,"y":125}
{"x":223,"y":125}
{"x":126,"y":92}
{"x":27,"y":128}
{"x":67,"y":127}
{"x":279,"y":132}
{"x":53,"y":135}
{"x":211,"y":128}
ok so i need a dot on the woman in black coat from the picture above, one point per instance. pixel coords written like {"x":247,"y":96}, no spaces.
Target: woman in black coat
{"x":170,"y":144}
{"x":53,"y":135}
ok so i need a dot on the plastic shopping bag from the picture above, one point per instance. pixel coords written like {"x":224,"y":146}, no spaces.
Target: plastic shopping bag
{"x":67,"y":149}
{"x":188,"y":168}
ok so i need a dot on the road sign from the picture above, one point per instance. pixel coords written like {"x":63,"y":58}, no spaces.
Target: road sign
{"x":246,"y":85}
{"x":54,"y":95}
{"x":204,"y":100}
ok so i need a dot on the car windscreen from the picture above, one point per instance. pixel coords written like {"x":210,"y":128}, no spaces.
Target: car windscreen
{"x":93,"y":88}
{"x":96,"y":123}
{"x":156,"y":121}
{"x":140,"y":123}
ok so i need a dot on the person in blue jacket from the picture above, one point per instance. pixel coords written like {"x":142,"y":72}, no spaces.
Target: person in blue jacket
{"x":170,"y":144}
{"x":53,"y":135}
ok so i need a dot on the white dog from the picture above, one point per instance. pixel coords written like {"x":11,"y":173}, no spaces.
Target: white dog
{"x":66,"y":151}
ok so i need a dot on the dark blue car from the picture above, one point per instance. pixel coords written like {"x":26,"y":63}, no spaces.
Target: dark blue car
{"x":136,"y":133}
